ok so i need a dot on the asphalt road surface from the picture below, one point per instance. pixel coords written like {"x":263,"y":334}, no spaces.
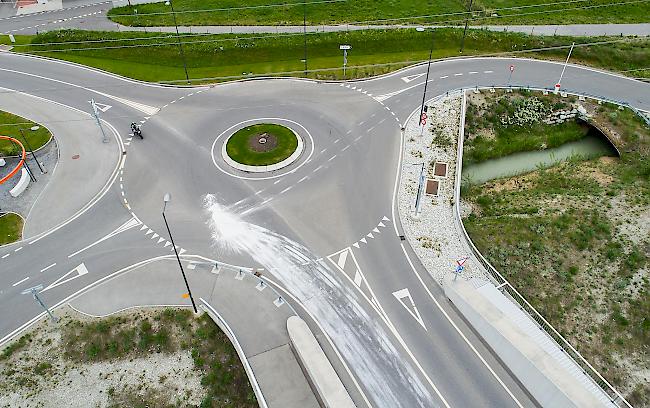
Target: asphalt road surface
{"x":340,"y":189}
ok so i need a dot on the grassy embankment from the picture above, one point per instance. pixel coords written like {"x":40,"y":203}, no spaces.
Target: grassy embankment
{"x":239,"y":150}
{"x":128,"y":337}
{"x":574,"y":240}
{"x":371,"y":10}
{"x":219,"y":56}
{"x":10,"y":125}
{"x":11,"y":228}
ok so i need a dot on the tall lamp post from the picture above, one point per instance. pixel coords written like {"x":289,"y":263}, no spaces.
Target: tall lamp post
{"x":167,"y":198}
{"x":426,"y":81}
{"x":180,"y":44}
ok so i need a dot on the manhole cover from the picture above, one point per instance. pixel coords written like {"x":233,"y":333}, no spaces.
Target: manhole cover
{"x":75,"y":157}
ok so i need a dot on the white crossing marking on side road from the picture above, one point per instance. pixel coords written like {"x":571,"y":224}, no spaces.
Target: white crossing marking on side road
{"x":76,"y":272}
{"x":20,"y":281}
{"x":48,"y":267}
{"x":410,"y":78}
{"x":402,"y":294}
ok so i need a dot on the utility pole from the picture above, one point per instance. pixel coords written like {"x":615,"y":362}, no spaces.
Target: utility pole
{"x":180,"y":44}
{"x":426,"y":82}
{"x":34,"y":292}
{"x":99,"y":123}
{"x":462,"y":42}
{"x":304,"y":32}
{"x":32,"y":151}
{"x":166,"y":199}
{"x":559,"y":82}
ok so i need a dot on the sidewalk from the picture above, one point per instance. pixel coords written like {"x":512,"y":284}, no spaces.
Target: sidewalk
{"x":258,"y":323}
{"x":83,"y":168}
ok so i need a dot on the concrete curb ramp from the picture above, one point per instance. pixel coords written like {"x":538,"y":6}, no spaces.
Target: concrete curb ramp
{"x":21,"y":185}
{"x":321,"y":375}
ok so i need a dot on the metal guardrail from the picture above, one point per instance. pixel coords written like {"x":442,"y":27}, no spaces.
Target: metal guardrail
{"x":502,"y":283}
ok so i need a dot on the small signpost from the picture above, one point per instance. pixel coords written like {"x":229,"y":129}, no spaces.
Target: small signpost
{"x":99,"y":123}
{"x":460,"y":266}
{"x":34,"y":292}
{"x":345,"y":48}
{"x":512,"y":69}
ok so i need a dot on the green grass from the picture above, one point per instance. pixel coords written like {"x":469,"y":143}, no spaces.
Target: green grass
{"x":220,"y":56}
{"x":168,"y":331}
{"x":238,"y":149}
{"x":11,"y":228}
{"x":10,"y":125}
{"x":351,"y":11}
{"x":555,"y":234}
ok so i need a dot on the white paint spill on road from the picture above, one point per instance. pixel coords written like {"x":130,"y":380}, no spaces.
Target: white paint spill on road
{"x":361,"y":339}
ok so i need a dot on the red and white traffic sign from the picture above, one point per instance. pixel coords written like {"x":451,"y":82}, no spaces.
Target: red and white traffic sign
{"x":557,"y":87}
{"x":512,"y":68}
{"x":423,"y":119}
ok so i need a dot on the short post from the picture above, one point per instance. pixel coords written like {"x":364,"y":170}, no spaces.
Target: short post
{"x":34,"y":292}
{"x":345,"y":48}
{"x":418,"y":196}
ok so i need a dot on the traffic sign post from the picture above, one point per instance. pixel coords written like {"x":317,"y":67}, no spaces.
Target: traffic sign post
{"x":99,"y":123}
{"x":512,"y":69}
{"x":345,"y":48}
{"x":559,"y":82}
{"x":34,"y":292}
{"x":460,"y":266}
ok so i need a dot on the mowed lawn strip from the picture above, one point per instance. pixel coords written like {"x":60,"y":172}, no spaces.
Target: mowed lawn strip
{"x":10,"y":125}
{"x":11,"y":227}
{"x":450,"y":12}
{"x":155,"y":57}
{"x":239,"y":150}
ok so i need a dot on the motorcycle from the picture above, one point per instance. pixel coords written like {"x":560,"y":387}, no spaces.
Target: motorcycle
{"x":136,"y":130}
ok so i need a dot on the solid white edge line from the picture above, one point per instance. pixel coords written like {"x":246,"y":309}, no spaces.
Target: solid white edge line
{"x":462,"y":335}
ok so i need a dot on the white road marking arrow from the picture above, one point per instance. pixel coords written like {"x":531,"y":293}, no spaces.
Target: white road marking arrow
{"x":410,"y":78}
{"x":402,"y":294}
{"x":76,"y":272}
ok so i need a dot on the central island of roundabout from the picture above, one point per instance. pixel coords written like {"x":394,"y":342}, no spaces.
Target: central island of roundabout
{"x":262,"y":147}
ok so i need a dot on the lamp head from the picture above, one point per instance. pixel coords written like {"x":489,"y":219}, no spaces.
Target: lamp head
{"x":167,"y":198}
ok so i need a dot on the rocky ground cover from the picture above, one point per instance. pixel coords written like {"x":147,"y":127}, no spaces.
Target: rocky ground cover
{"x":144,"y":358}
{"x":574,"y":239}
{"x":431,"y":234}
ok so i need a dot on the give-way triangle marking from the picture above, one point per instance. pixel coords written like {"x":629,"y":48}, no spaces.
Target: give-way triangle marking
{"x":409,"y":305}
{"x":102,"y":106}
{"x":73,"y":274}
{"x":411,"y":78}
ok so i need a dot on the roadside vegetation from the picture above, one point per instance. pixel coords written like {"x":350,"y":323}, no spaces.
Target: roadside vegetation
{"x":210,"y":58}
{"x":11,"y":228}
{"x":574,"y":239}
{"x":446,"y":12}
{"x":193,"y":362}
{"x":10,"y":125}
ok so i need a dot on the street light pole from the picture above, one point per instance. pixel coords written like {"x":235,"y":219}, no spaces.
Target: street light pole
{"x":304,"y":32}
{"x":180,"y":44}
{"x":166,"y":199}
{"x":32,"y":151}
{"x":426,"y":82}
{"x":418,"y":196}
{"x":462,"y":42}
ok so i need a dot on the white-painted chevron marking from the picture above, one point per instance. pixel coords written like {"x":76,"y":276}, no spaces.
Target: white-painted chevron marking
{"x":385,"y":219}
{"x":363,"y":240}
{"x":381,"y":224}
{"x":342,"y":258}
{"x":132,"y":222}
{"x":410,"y":78}
{"x":402,"y":294}
{"x":149,"y":231}
{"x":161,"y":239}
{"x":167,"y":244}
{"x":154,"y":236}
{"x":181,"y":252}
{"x":146,"y":109}
{"x":356,"y":245}
{"x":76,"y":272}
{"x":375,"y":230}
{"x":370,"y":235}
{"x":143,"y":227}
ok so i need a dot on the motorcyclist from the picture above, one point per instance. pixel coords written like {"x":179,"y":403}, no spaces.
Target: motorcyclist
{"x":136,"y":130}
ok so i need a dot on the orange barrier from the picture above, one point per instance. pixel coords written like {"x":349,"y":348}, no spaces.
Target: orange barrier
{"x":20,"y":163}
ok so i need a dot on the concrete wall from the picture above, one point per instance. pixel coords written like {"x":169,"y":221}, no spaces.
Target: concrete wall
{"x":542,"y":375}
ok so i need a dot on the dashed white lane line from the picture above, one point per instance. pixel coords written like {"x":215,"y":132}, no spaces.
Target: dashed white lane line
{"x":19,"y":282}
{"x":387,"y":108}
{"x":323,"y":151}
{"x":48,"y":267}
{"x":277,"y":181}
{"x":488,"y":72}
{"x":18,"y":249}
{"x":348,"y":132}
{"x":345,"y":148}
{"x":336,"y":141}
{"x":445,"y":76}
{"x":357,"y":138}
{"x":266,"y":201}
{"x":473,"y":72}
{"x":331,"y":158}
{"x":370,"y":129}
{"x":286,"y":189}
{"x":4,"y":256}
{"x":362,"y":122}
{"x":459,"y":74}
{"x":316,"y":169}
{"x":303,"y":179}
{"x":258,"y":191}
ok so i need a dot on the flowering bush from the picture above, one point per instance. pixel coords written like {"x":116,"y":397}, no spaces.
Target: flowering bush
{"x":526,"y":112}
